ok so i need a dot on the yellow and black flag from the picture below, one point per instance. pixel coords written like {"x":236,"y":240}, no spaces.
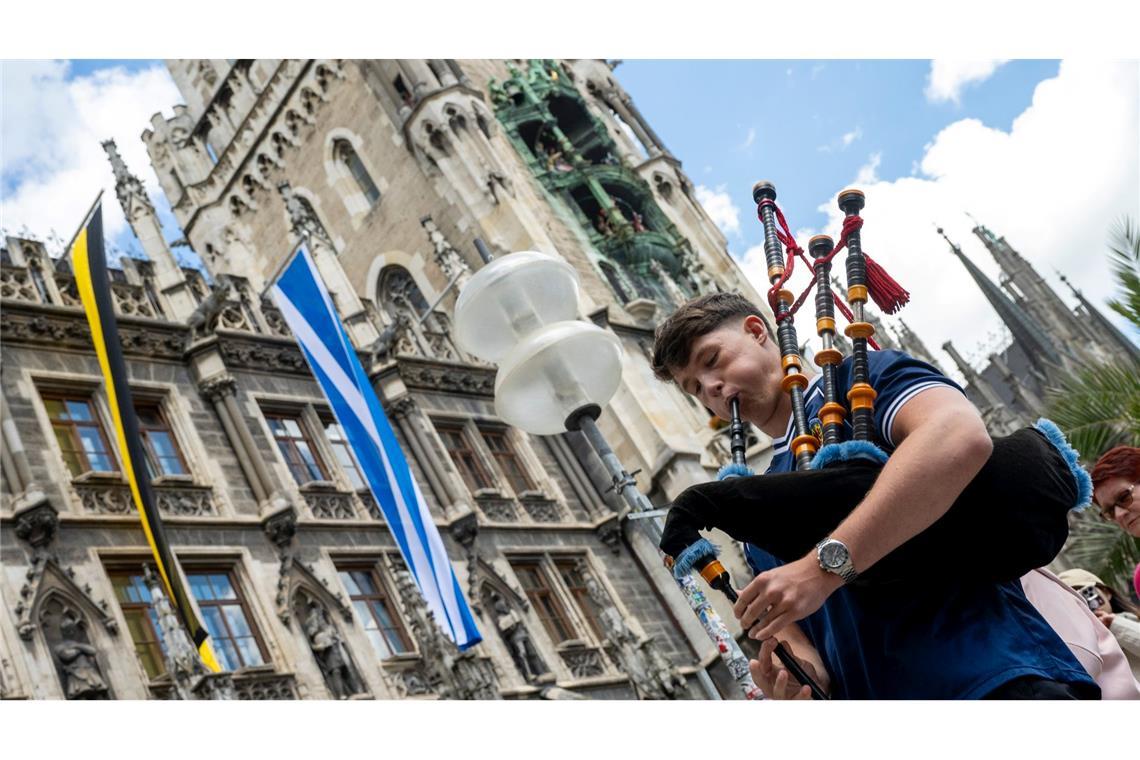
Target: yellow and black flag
{"x":89,"y":261}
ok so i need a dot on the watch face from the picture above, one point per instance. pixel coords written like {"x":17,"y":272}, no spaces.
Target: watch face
{"x":833,"y":555}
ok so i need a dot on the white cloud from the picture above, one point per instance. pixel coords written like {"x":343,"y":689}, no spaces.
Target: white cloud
{"x":718,"y":203}
{"x":52,"y":128}
{"x":1052,"y":186}
{"x":868,"y":172}
{"x":751,"y":138}
{"x":948,"y":77}
{"x":755,"y":267}
{"x":843,"y":142}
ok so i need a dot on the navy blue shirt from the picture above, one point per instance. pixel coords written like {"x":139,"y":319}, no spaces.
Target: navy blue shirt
{"x":915,"y":639}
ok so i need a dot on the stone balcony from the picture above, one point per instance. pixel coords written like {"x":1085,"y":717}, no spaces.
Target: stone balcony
{"x":250,"y":684}
{"x":108,"y":494}
{"x":529,"y":509}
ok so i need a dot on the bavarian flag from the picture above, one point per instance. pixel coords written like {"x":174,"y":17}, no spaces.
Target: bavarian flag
{"x":309,"y":311}
{"x":89,"y":261}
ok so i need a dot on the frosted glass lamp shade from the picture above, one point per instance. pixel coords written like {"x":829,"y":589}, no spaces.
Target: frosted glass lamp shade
{"x":511,"y":297}
{"x":555,"y":371}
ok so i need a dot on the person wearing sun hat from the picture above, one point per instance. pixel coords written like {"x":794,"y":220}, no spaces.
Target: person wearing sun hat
{"x":1112,"y":608}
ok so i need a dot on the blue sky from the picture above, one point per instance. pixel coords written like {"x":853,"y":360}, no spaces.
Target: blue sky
{"x":926,"y":140}
{"x":798,"y":113}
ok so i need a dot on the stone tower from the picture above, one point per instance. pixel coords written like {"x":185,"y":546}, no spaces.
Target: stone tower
{"x":1048,"y":338}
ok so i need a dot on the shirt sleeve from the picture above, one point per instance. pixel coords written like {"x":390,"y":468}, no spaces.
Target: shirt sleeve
{"x":759,"y":560}
{"x":897,"y":378}
{"x":1126,"y":629}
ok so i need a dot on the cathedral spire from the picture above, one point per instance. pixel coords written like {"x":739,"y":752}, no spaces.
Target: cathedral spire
{"x":1033,"y":341}
{"x":1102,"y":323}
{"x":1029,"y":290}
{"x":171,"y":289}
{"x":128,"y":187}
{"x":973,"y":378}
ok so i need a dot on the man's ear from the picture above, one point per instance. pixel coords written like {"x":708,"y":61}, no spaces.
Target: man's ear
{"x":754,"y":326}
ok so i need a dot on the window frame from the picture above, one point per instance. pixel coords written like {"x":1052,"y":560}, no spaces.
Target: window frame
{"x":347,"y":156}
{"x":230,"y":571}
{"x":131,"y":569}
{"x":578,"y":593}
{"x":326,"y":418}
{"x":298,"y":415}
{"x":88,"y":397}
{"x":389,"y":601}
{"x":529,"y":483}
{"x":160,"y":407}
{"x":550,"y":589}
{"x":461,"y":428}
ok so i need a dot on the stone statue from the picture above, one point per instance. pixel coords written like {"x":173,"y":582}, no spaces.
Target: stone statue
{"x":517,"y":637}
{"x":648,"y":670}
{"x":692,"y":265}
{"x":328,"y":649}
{"x":211,"y":306}
{"x":446,"y":256}
{"x":301,"y":218}
{"x":446,"y":671}
{"x":77,"y":663}
{"x":384,"y":346}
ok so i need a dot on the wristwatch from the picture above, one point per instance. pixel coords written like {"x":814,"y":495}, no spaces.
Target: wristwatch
{"x":834,"y":558}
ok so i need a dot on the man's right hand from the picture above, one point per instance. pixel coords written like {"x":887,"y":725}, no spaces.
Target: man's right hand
{"x":775,"y":680}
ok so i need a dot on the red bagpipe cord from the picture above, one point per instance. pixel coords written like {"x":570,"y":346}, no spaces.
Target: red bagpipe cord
{"x":887,"y":294}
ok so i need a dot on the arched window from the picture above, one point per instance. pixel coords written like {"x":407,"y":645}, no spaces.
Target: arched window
{"x":483,"y":125}
{"x":399,"y":293}
{"x":345,"y":154}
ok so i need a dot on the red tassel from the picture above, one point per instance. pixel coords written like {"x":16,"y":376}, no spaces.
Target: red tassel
{"x":887,"y":294}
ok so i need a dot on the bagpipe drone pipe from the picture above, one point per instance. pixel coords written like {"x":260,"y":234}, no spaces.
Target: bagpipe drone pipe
{"x":1011,"y":518}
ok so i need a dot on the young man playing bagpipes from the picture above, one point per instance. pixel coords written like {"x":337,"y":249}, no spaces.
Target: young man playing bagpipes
{"x":897,"y":558}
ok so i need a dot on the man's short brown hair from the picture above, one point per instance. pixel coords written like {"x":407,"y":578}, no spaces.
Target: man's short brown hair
{"x":675,"y":336}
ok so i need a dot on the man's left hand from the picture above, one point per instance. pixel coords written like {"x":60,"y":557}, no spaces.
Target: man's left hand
{"x":784,"y":595}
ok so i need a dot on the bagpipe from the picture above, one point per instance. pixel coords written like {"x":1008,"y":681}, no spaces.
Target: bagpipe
{"x":1012,"y":517}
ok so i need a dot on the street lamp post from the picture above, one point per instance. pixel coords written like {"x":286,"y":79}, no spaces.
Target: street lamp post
{"x":555,"y":374}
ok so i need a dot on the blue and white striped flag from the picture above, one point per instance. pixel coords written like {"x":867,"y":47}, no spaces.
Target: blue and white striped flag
{"x":307,"y":307}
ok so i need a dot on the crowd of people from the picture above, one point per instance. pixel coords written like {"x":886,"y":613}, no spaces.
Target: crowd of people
{"x":949,"y":626}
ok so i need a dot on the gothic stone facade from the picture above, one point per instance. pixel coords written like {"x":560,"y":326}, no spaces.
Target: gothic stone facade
{"x":389,"y":171}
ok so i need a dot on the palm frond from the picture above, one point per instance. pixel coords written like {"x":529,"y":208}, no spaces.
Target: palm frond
{"x":1124,"y":258}
{"x":1098,"y":407}
{"x":1103,"y":549}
